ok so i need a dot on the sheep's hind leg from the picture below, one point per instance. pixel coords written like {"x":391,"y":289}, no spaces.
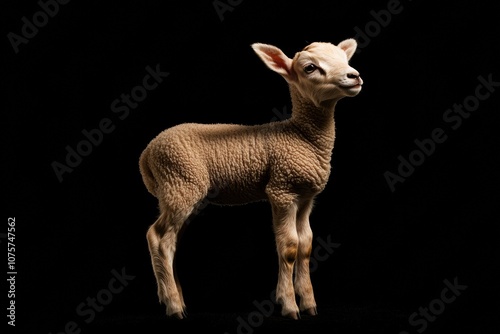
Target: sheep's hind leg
{"x":162,"y":239}
{"x":302,"y":283}
{"x":153,"y":237}
{"x":177,"y":282}
{"x":286,"y":243}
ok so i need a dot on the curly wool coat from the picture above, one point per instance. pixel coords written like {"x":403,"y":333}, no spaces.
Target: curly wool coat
{"x":242,"y":163}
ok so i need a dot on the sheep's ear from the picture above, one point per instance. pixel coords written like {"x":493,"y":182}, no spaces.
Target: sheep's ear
{"x":349,"y":46}
{"x":275,"y":59}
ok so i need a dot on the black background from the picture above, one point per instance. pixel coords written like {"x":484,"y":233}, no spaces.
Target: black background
{"x":396,"y":248}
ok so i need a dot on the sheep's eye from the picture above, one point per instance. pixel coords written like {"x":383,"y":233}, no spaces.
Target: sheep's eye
{"x":310,"y":68}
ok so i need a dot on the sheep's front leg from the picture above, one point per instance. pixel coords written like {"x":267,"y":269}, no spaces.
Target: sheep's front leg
{"x":287,"y":244}
{"x":303,"y":285}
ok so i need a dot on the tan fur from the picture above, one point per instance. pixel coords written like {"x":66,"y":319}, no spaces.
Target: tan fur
{"x":287,"y":163}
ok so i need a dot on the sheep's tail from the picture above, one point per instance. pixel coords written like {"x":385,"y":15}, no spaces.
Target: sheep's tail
{"x":147,"y":175}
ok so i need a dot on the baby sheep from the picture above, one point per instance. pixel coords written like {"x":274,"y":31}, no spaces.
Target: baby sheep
{"x":286,"y":163}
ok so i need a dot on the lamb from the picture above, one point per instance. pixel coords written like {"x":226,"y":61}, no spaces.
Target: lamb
{"x":285,"y":162}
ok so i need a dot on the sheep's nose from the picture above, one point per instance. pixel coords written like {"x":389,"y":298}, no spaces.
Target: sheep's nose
{"x":353,"y":75}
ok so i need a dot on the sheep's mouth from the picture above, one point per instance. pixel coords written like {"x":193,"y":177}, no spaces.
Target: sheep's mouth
{"x":358,"y":85}
{"x":352,"y":88}
{"x":358,"y":82}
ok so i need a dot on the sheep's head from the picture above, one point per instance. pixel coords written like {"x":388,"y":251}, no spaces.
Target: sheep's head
{"x":320,"y":71}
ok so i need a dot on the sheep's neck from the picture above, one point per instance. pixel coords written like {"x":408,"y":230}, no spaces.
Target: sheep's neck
{"x":316,"y":124}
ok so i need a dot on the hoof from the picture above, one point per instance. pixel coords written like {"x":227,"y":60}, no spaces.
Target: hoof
{"x":179,"y":315}
{"x":311,"y":311}
{"x":292,"y":315}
